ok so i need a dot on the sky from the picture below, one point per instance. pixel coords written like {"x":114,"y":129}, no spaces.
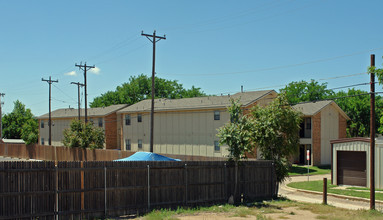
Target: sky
{"x":216,"y":45}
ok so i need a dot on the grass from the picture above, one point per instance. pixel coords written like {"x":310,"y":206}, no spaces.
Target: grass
{"x":318,"y":187}
{"x":364,"y":188}
{"x":262,"y":210}
{"x":314,"y":170}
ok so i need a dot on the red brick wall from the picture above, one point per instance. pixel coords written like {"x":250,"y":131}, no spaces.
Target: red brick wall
{"x":111,"y":131}
{"x":342,"y":126}
{"x":316,"y":139}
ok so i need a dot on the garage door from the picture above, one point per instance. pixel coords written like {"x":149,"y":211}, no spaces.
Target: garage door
{"x":351,"y":168}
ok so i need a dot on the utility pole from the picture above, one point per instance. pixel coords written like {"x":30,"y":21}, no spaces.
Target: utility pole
{"x":1,"y":117}
{"x":153,"y":38}
{"x":50,"y":81}
{"x":79,"y":102}
{"x":85,"y":68}
{"x":372,"y":136}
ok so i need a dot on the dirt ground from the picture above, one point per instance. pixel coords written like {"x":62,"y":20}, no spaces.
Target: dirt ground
{"x":293,"y":213}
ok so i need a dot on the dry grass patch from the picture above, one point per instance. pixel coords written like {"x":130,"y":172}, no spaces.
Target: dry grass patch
{"x":268,"y":210}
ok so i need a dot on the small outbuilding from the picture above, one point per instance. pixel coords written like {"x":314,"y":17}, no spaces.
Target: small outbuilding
{"x":351,"y":162}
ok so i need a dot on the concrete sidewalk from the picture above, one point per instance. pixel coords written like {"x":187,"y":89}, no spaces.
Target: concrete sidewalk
{"x":346,"y":202}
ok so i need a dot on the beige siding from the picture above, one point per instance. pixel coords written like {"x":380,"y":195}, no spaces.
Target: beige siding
{"x":348,"y":146}
{"x":187,"y":133}
{"x":329,"y":131}
{"x":58,"y":127}
{"x":362,"y":146}
{"x":378,"y":166}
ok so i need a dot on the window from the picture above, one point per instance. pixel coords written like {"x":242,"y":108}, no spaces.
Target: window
{"x":91,"y":121}
{"x":139,"y":144}
{"x":100,"y":122}
{"x":217,"y":148}
{"x":217,"y":115}
{"x":127,"y":119}
{"x":42,"y":124}
{"x":127,"y":144}
{"x":139,"y":118}
{"x":308,"y":123}
{"x":42,"y":141}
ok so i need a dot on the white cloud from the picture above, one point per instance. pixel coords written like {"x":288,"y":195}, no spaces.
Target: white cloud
{"x":71,"y":73}
{"x":95,"y":70}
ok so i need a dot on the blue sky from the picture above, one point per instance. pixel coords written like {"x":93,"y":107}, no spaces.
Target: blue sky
{"x":215,"y":45}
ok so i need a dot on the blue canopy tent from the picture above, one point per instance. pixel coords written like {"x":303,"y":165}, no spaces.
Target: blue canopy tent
{"x":147,"y":156}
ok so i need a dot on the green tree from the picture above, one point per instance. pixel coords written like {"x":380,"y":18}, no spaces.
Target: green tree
{"x":356,"y":104}
{"x":236,"y":134}
{"x":30,"y":131}
{"x":276,"y":133}
{"x":20,"y":123}
{"x":379,"y":73}
{"x":303,"y":91}
{"x":139,"y":88}
{"x":83,"y":135}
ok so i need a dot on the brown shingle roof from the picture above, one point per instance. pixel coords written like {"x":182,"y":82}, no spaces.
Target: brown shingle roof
{"x":92,"y":112}
{"x":312,"y":108}
{"x":208,"y":102}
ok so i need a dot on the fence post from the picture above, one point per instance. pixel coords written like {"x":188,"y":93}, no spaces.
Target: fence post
{"x":82,"y":189}
{"x":325,"y":191}
{"x":273,"y":191}
{"x":56,"y":192}
{"x":105,"y":191}
{"x":186,"y":184}
{"x":148,"y":187}
{"x":225,"y":181}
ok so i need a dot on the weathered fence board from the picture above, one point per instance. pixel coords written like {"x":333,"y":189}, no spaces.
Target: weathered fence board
{"x":27,"y":190}
{"x":105,"y":188}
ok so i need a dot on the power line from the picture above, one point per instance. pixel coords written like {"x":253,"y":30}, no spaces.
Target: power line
{"x":85,"y":68}
{"x":284,"y":85}
{"x":279,"y":67}
{"x":64,"y":93}
{"x":50,"y":81}
{"x":343,"y":87}
{"x":153,"y":38}
{"x":79,"y":103}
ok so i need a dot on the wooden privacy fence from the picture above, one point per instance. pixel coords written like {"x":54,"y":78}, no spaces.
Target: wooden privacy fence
{"x":51,"y":153}
{"x":100,"y":189}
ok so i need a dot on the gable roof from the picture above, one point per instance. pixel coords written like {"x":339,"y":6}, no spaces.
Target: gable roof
{"x":312,"y":108}
{"x":208,"y":102}
{"x":92,"y":112}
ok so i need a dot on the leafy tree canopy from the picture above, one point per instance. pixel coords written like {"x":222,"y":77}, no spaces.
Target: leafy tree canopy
{"x":356,"y":105}
{"x":237,"y":133}
{"x":83,"y":135}
{"x":276,"y":133}
{"x":379,"y":73}
{"x":303,"y":91}
{"x":20,"y":123}
{"x":139,"y":88}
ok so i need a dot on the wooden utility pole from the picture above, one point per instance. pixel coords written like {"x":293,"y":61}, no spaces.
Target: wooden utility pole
{"x":153,"y":38}
{"x":1,"y":117}
{"x":79,"y":102}
{"x":372,"y":135}
{"x":85,"y":68}
{"x":50,"y":81}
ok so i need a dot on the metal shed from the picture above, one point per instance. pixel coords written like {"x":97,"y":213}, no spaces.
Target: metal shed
{"x":351,"y":162}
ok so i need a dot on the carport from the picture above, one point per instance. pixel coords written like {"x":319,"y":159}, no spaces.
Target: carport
{"x":350,"y":162}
